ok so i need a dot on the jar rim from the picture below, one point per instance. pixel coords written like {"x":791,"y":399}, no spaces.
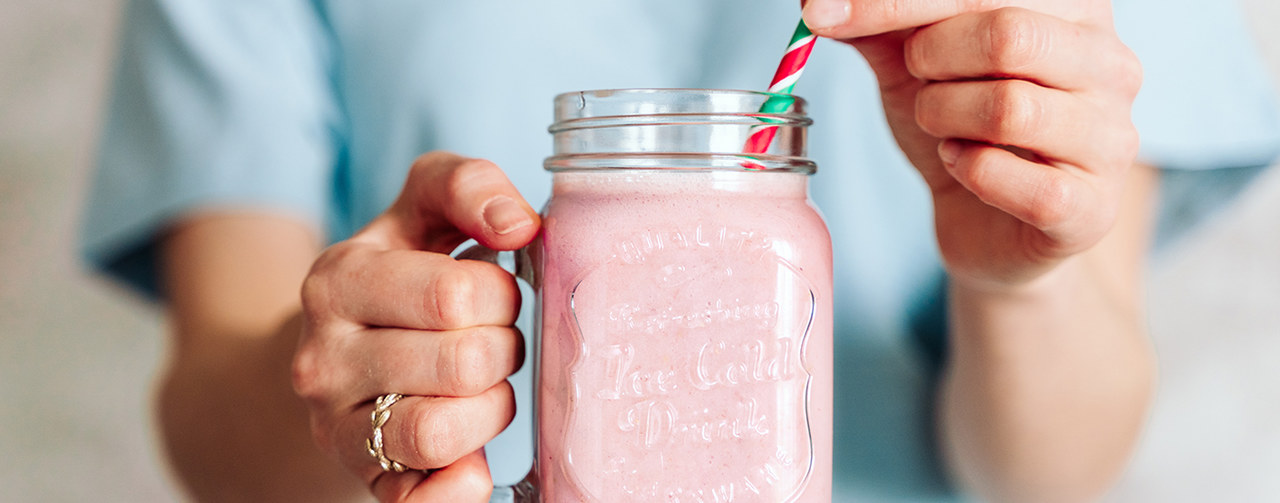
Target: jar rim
{"x":679,"y":129}
{"x":607,"y":107}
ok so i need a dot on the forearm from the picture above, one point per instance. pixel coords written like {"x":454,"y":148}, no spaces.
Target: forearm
{"x":1048,"y":384}
{"x":1047,"y":389}
{"x":234,"y":430}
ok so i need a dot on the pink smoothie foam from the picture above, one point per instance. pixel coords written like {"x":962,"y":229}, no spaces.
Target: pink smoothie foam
{"x":686,"y":339}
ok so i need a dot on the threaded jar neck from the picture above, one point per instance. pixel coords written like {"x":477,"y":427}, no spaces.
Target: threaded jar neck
{"x":687,"y":129}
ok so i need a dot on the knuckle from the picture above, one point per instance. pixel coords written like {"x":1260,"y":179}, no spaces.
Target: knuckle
{"x":466,"y":370}
{"x":1129,"y":74}
{"x":452,"y":299}
{"x":916,"y":56}
{"x":468,"y":173}
{"x":435,"y":433}
{"x":429,"y":162}
{"x":422,"y":173}
{"x":305,"y":374}
{"x":1016,"y":40}
{"x":474,"y":482}
{"x":316,"y":294}
{"x":976,"y":172}
{"x":1053,"y":204}
{"x":477,"y":167}
{"x":312,"y":374}
{"x":927,"y":109}
{"x":880,"y":15}
{"x":986,"y":5}
{"x":1117,"y":148}
{"x":516,"y":338}
{"x":1015,"y":115}
{"x":1128,"y":144}
{"x":318,"y":289}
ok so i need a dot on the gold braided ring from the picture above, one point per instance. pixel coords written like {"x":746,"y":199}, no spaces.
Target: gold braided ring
{"x":381,"y":413}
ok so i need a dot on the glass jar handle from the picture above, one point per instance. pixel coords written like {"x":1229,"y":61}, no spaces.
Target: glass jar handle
{"x":524,"y":259}
{"x":524,"y":268}
{"x":525,"y":491}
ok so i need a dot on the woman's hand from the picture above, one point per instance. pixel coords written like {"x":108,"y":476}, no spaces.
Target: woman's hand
{"x":388,"y":311}
{"x":1017,"y":114}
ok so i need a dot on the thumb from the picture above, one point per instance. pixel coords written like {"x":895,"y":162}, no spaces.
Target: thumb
{"x":881,"y":47}
{"x":448,"y":198}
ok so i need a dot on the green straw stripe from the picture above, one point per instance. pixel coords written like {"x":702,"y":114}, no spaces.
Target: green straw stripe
{"x":781,"y":104}
{"x":776,"y":105}
{"x":802,"y":31}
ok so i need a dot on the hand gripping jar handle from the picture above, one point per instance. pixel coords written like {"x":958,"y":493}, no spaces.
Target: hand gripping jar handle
{"x":524,"y":268}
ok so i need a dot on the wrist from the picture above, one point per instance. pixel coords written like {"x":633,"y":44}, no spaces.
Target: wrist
{"x":1052,"y":282}
{"x":1074,"y":297}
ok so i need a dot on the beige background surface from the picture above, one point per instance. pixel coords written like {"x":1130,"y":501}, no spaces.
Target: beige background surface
{"x":77,"y":356}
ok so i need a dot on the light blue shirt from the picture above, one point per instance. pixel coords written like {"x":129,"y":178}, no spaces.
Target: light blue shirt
{"x":317,"y":108}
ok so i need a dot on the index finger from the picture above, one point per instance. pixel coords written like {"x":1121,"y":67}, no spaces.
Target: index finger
{"x":1022,"y":44}
{"x":448,"y":198}
{"x":409,"y":289}
{"x":849,"y":19}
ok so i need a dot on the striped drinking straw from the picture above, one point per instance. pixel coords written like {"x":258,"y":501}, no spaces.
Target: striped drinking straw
{"x":784,"y":80}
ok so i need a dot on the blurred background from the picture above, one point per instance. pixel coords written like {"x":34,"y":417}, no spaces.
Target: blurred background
{"x":77,"y":355}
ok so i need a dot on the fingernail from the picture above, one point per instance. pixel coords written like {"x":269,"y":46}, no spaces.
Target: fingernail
{"x":504,"y":215}
{"x":949,"y":151}
{"x":819,"y":14}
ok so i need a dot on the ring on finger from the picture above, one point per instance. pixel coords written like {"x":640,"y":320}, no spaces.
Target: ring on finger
{"x":378,"y":418}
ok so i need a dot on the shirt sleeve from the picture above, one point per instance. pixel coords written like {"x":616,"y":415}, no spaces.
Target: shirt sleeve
{"x":214,"y":105}
{"x":1207,"y":111}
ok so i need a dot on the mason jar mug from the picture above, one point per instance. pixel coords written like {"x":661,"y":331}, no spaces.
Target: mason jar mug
{"x":684,"y":346}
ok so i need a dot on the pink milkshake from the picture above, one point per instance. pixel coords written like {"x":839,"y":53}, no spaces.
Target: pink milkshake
{"x":685,"y":350}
